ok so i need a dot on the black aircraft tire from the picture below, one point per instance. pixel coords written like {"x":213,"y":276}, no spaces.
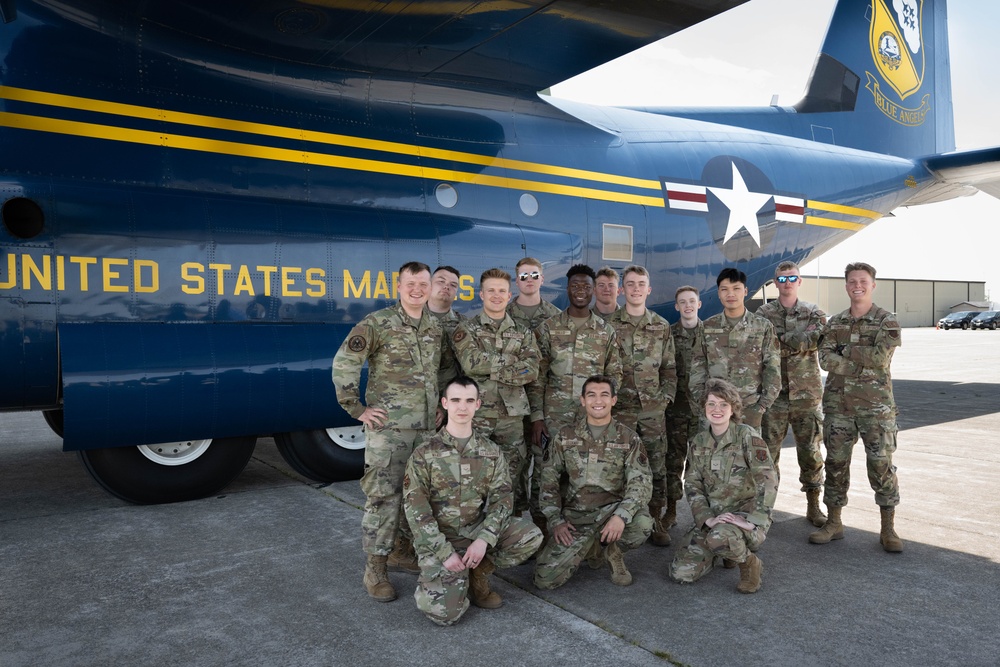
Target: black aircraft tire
{"x":126,"y":473}
{"x":54,"y":418}
{"x":314,"y":455}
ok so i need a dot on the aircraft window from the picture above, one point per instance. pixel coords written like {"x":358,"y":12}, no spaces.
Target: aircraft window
{"x":617,"y":243}
{"x":23,"y":218}
{"x":446,"y":195}
{"x":529,"y":205}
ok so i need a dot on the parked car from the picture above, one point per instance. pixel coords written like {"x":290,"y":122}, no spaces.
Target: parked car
{"x":960,"y":320}
{"x":988,"y":320}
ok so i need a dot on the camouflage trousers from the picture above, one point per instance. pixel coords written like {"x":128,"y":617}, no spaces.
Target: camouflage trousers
{"x":681,"y":426}
{"x":554,"y":422}
{"x":386,"y":453}
{"x":702,"y":545}
{"x":806,"y":418}
{"x":556,"y":563}
{"x":442,"y":594}
{"x":879,"y":436}
{"x":651,"y":427}
{"x":508,"y":434}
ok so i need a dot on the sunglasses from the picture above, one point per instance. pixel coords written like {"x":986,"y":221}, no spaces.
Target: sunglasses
{"x":787,"y":279}
{"x":534,"y":275}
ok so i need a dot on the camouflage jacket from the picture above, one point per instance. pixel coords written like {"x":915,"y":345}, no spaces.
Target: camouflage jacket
{"x":857,"y":353}
{"x":608,"y":475}
{"x":567,"y":358}
{"x":502,"y":358}
{"x":684,"y":342}
{"x":735,"y":475}
{"x":450,"y":494}
{"x":649,"y":371}
{"x":798,"y":330}
{"x":404,"y":363}
{"x":449,"y":359}
{"x":545,"y":311}
{"x":746,"y":355}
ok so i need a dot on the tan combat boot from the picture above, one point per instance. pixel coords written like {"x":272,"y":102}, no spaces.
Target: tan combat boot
{"x":479,"y":586}
{"x":814,"y":514}
{"x":888,"y":537}
{"x":670,"y":516}
{"x":660,"y":537}
{"x":403,"y":558}
{"x":376,"y":579}
{"x":620,"y":576}
{"x":833,"y":529}
{"x":751,"y":571}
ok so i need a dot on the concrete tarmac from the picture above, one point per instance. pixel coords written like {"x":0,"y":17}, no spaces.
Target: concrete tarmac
{"x":269,"y":572}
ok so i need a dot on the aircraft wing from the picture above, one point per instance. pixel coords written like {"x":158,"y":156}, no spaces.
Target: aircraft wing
{"x":524,"y":45}
{"x":963,"y":173}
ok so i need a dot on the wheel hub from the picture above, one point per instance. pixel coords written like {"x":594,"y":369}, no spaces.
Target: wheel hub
{"x":175,"y":453}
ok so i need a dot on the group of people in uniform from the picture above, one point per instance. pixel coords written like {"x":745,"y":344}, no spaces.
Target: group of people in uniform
{"x":571,"y":435}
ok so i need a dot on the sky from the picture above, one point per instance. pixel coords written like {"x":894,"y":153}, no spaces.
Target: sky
{"x":767,"y":47}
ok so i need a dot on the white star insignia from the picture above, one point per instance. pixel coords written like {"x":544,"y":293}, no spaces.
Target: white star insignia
{"x":743,"y":206}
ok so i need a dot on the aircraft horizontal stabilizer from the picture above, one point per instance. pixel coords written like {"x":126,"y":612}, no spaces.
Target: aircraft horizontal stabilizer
{"x":962,"y":173}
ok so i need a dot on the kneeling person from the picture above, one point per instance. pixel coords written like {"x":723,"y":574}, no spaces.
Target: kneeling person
{"x":731,"y":486}
{"x":605,"y":499}
{"x":458,"y":502}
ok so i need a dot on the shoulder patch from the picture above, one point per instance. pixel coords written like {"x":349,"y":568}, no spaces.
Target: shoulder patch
{"x":643,"y":459}
{"x":406,"y":482}
{"x":761,"y":454}
{"x":459,"y":335}
{"x":357,"y":343}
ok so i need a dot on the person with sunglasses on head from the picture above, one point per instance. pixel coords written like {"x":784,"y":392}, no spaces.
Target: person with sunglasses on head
{"x":798,"y":326}
{"x":529,"y":310}
{"x":739,"y":347}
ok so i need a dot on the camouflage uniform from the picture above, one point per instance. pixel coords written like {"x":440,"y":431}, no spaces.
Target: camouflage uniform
{"x":681,"y":416}
{"x":454,"y":495}
{"x":607,"y":476}
{"x":449,"y":361}
{"x":858,"y":399}
{"x":567,"y":357}
{"x":732,"y":475}
{"x":746,"y":355}
{"x":404,"y":362}
{"x":502,"y":358}
{"x":798,"y":330}
{"x":544,"y":311}
{"x":649,"y":382}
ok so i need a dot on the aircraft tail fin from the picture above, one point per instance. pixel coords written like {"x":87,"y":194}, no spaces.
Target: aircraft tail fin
{"x":887,"y":62}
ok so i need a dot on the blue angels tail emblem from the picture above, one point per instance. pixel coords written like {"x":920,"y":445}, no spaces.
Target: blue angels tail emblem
{"x":897,"y":44}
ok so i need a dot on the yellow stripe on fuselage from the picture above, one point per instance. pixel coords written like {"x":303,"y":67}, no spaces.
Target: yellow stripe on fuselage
{"x":263,"y":129}
{"x":185,"y":142}
{"x":95,"y":131}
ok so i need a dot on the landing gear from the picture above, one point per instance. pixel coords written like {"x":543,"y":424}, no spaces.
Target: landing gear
{"x":330,"y":455}
{"x":169,"y":472}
